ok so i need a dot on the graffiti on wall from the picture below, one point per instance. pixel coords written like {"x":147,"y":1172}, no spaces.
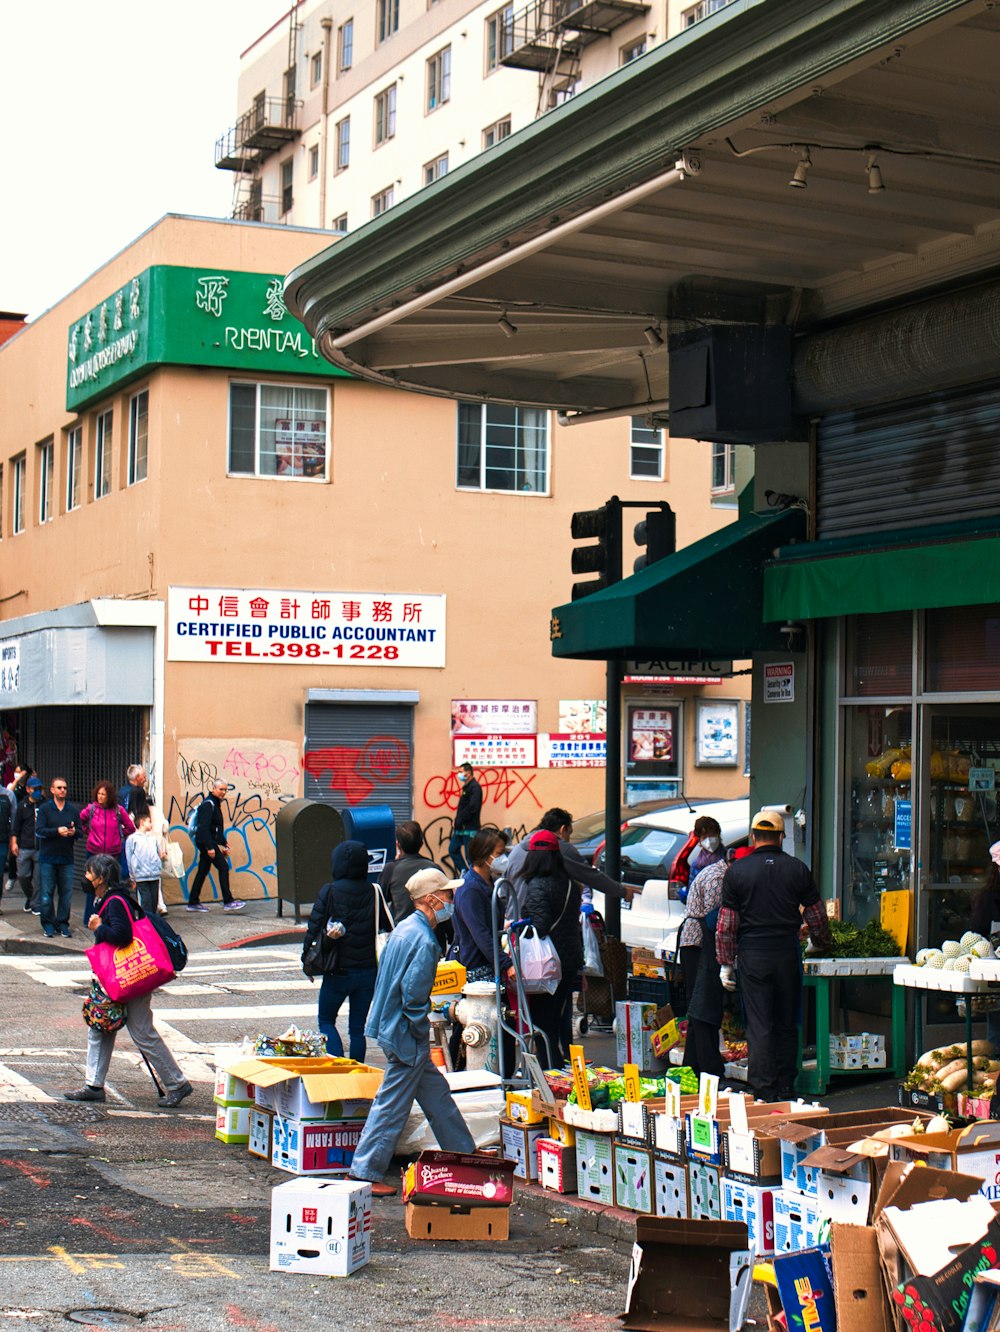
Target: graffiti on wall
{"x":503,"y":787}
{"x":354,"y":772}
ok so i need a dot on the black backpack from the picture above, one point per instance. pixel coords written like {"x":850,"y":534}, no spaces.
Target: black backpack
{"x":176,"y":946}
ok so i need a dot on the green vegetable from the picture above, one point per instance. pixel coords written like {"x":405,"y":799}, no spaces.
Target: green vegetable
{"x":870,"y":940}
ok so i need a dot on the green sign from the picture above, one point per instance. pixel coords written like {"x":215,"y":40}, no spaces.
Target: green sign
{"x":187,"y":316}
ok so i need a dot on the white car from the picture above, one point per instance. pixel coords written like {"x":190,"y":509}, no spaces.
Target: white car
{"x":649,"y":845}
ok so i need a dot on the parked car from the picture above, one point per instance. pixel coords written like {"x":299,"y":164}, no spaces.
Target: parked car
{"x":588,"y":831}
{"x":649,"y":845}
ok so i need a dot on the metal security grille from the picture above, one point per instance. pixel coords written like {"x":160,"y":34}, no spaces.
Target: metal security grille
{"x":934,"y":459}
{"x":360,"y":754}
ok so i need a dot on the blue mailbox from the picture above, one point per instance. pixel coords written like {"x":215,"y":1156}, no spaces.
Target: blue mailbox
{"x":375,"y":827}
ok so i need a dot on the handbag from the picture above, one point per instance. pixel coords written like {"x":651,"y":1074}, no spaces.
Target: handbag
{"x":319,"y":955}
{"x":382,"y":936}
{"x":541,"y":969}
{"x":101,"y":1012}
{"x":592,"y":964}
{"x":175,"y":860}
{"x":137,"y":969}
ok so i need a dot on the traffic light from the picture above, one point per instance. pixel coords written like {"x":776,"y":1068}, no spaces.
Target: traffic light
{"x":656,"y":535}
{"x":603,"y":526}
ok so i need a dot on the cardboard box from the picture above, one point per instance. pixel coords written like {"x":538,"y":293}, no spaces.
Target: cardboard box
{"x":705,"y":1191}
{"x":905,"y":1186}
{"x":436,"y":1222}
{"x":805,"y":1287}
{"x":633,"y":1177}
{"x":232,"y":1123}
{"x":679,"y":1275}
{"x":594,"y":1179}
{"x":646,"y":963}
{"x":634,"y":1122}
{"x":556,"y":1165}
{"x":260,"y":1139}
{"x":704,"y":1134}
{"x":846,"y":1184}
{"x":454,"y":1177}
{"x":230,"y":1090}
{"x":971,"y":1151}
{"x":634,"y":1027}
{"x":304,"y":1088}
{"x":520,"y":1109}
{"x":670,"y":1188}
{"x":560,"y":1131}
{"x":984,"y":1303}
{"x":798,"y":1222}
{"x":519,"y":1143}
{"x":752,"y":1155}
{"x":667,"y":1034}
{"x":448,"y":979}
{"x":320,"y":1226}
{"x":859,"y":1293}
{"x":753,"y":1204}
{"x":311,"y":1147}
{"x":940,"y":1301}
{"x":800,"y":1138}
{"x":669,"y":1133}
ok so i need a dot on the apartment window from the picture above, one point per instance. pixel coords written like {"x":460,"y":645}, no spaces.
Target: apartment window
{"x":20,"y":467}
{"x":499,"y":37}
{"x":439,"y":79}
{"x":74,"y":468}
{"x":383,"y":201}
{"x":698,"y":12}
{"x":385,"y":115}
{"x":286,"y":186}
{"x":316,"y":69}
{"x":502,"y":448}
{"x":345,"y":46}
{"x":500,"y":129}
{"x":46,"y":478}
{"x":723,"y":474}
{"x":290,"y":95}
{"x":138,"y":437}
{"x":632,"y":51}
{"x":343,"y":143}
{"x":435,"y":170}
{"x":103,"y":454}
{"x":314,"y":161}
{"x":339,"y":224}
{"x":278,"y":430}
{"x":646,"y":452}
{"x":387,"y":19}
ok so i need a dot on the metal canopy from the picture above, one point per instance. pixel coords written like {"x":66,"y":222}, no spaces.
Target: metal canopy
{"x":552,"y":270}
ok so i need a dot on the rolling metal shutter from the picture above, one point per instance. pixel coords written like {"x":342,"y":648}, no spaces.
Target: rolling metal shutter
{"x":930,"y":460}
{"x":360,"y":754}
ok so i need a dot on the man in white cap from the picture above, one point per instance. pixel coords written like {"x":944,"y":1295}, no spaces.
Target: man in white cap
{"x":399,"y":1021}
{"x":764,"y":899}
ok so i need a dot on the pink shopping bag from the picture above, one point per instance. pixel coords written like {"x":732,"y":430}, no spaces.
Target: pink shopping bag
{"x":138,"y":969}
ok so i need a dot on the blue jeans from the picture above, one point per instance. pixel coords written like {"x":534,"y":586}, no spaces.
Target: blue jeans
{"x":57,"y":883}
{"x":358,"y":985}
{"x":457,"y":847}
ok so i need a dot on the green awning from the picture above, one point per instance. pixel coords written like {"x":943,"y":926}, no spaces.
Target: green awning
{"x":825,"y":579}
{"x":704,"y":602}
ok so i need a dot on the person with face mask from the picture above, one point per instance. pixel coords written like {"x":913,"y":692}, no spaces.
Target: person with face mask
{"x":399,"y":1021}
{"x":473,"y":908}
{"x":23,"y":846}
{"x":467,"y":817}
{"x":709,"y":850}
{"x":552,"y":900}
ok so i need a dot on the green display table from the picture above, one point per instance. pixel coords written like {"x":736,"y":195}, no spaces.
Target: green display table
{"x":818,"y":976}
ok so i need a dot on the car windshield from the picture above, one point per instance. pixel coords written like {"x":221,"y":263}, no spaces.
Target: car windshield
{"x":650,"y":851}
{"x":591,"y":825}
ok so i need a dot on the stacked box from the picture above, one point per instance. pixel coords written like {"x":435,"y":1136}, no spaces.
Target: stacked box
{"x":556,"y":1165}
{"x":320,"y":1226}
{"x":646,"y":963}
{"x":458,"y":1196}
{"x":232,"y":1123}
{"x":705,"y":1191}
{"x":230,"y":1090}
{"x":753,"y":1204}
{"x":561,"y":1131}
{"x":519,"y":1143}
{"x":670,"y":1187}
{"x":521,"y":1110}
{"x":797,"y":1221}
{"x":260,"y":1141}
{"x":634,"y":1027}
{"x":314,"y":1147}
{"x":594,"y":1178}
{"x":863,"y":1049}
{"x":632,"y":1168}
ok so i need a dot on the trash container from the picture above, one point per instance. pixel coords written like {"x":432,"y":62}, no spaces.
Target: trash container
{"x":306,"y":832}
{"x":374,"y":826}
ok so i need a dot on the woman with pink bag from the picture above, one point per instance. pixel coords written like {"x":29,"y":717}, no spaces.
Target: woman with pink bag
{"x":108,"y":824}
{"x":111,"y":922}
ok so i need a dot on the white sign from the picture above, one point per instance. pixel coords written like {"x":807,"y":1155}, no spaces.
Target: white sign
{"x":495,"y":751}
{"x":303,"y":628}
{"x":477,"y":716}
{"x":677,"y":671}
{"x":779,"y":682}
{"x":572,"y":750}
{"x":581,"y":716}
{"x":10,"y":666}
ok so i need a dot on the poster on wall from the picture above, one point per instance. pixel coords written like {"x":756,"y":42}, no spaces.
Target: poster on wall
{"x":478,"y":716}
{"x":653,"y":742}
{"x":583,"y":716}
{"x":567,"y":750}
{"x":717,"y":743}
{"x":300,"y":447}
{"x":495,"y":751}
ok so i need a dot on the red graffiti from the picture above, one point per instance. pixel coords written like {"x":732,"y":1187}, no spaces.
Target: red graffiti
{"x":356,"y":772}
{"x":236,"y":1317}
{"x":501,"y":786}
{"x":29,"y":1171}
{"x":105,"y":1232}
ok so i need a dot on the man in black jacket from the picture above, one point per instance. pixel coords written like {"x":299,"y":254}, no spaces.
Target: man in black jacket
{"x":467,"y":823}
{"x":23,"y":846}
{"x":398,"y":872}
{"x":55,"y":836}
{"x":213,"y":850}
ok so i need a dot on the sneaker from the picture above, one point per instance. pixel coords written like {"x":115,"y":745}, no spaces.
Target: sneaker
{"x":382,"y":1190}
{"x":174,"y":1098}
{"x":195,"y":906}
{"x":27,"y":908}
{"x":49,"y":931}
{"x":66,"y":932}
{"x":34,"y":912}
{"x":234,"y":905}
{"x":87,"y":1093}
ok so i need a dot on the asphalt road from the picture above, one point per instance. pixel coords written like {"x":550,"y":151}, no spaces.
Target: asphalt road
{"x":127,"y":1215}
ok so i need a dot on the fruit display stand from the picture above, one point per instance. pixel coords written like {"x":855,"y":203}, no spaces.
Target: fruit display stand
{"x":978,"y":981}
{"x":817,"y":975}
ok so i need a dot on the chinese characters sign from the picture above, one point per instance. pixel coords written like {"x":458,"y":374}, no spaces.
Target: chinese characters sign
{"x":470,"y":716}
{"x":572,"y":751}
{"x":495,"y":751}
{"x":10,"y":666}
{"x":305,"y":628}
{"x":653,"y":742}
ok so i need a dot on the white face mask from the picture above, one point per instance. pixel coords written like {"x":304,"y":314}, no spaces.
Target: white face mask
{"x":710,"y":844}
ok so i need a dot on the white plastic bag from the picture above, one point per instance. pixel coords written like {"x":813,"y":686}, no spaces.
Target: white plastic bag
{"x":592,"y":964}
{"x":541,"y":970}
{"x":381,"y":936}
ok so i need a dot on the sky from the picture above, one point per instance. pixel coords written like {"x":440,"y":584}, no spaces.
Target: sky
{"x":111,"y":109}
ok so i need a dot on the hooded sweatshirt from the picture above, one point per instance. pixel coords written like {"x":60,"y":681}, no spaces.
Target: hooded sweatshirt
{"x":351,"y":899}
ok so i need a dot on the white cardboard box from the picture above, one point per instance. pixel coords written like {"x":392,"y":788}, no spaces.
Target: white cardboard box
{"x":320,"y":1226}
{"x":754,"y":1205}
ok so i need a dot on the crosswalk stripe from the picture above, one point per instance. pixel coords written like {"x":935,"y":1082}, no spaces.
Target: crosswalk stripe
{"x":14,"y":1087}
{"x":234,"y":1014}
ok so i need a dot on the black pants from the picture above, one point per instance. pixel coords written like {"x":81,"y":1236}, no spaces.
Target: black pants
{"x":771,"y":986}
{"x":220,"y":864}
{"x":547,"y":1015}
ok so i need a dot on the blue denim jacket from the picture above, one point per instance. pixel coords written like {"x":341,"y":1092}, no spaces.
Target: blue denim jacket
{"x":398,"y":1018}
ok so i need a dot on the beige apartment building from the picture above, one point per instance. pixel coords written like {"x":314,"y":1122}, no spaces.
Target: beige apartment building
{"x":225,"y":558}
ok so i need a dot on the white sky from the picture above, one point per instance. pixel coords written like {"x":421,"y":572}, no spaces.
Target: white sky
{"x":111,"y":109}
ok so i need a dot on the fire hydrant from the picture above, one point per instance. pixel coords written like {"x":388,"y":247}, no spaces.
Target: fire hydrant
{"x":477,"y":1012}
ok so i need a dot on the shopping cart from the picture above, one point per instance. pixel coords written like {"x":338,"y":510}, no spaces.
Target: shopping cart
{"x":513,"y":1012}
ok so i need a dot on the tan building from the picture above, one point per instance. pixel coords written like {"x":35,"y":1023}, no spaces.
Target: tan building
{"x":223,"y":557}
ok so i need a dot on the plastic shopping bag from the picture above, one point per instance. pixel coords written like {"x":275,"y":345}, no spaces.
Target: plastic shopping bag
{"x":541,"y":970}
{"x":592,"y":964}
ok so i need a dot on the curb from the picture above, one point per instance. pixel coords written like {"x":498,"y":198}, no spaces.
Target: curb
{"x":568,"y":1209}
{"x":263,"y":940}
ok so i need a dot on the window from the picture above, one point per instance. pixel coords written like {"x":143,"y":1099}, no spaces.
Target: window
{"x":698,"y":12}
{"x":290,"y":95}
{"x":439,"y":79}
{"x":383,"y":201}
{"x":632,"y":51}
{"x":138,"y":437}
{"x":723,"y":478}
{"x":20,"y":477}
{"x":286,"y":186}
{"x":435,"y":170}
{"x":560,"y":95}
{"x":103,"y":455}
{"x":646,"y":454}
{"x":500,"y":129}
{"x":385,"y":115}
{"x":387,"y":19}
{"x":316,"y":69}
{"x":502,"y":448}
{"x":277,"y":430}
{"x":343,"y":144}
{"x":46,"y":479}
{"x":74,"y":468}
{"x":345,"y":46}
{"x":339,"y":224}
{"x":314,"y":161}
{"x":499,"y":37}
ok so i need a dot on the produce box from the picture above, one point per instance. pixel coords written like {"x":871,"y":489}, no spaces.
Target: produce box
{"x":805,"y":1287}
{"x":232,"y":1123}
{"x":798,"y":1140}
{"x":753,"y":1204}
{"x":321,"y":1226}
{"x":798,"y":1221}
{"x":520,"y":1108}
{"x":594,"y":1179}
{"x":453,"y":1177}
{"x":305,"y":1088}
{"x":646,"y":963}
{"x":670,"y":1187}
{"x":436,"y":1222}
{"x":230,"y":1090}
{"x":680,"y":1274}
{"x":556,"y":1165}
{"x":667,"y":1035}
{"x":705,"y":1191}
{"x":634,"y":1027}
{"x":314,"y":1147}
{"x":260,"y":1139}
{"x":561,"y":1131}
{"x":519,"y":1143}
{"x":448,"y":979}
{"x":970,"y":1151}
{"x":633,"y":1177}
{"x":634,"y":1122}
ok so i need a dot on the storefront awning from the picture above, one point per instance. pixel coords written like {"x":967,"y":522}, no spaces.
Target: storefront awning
{"x":705,"y":601}
{"x":903,"y":571}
